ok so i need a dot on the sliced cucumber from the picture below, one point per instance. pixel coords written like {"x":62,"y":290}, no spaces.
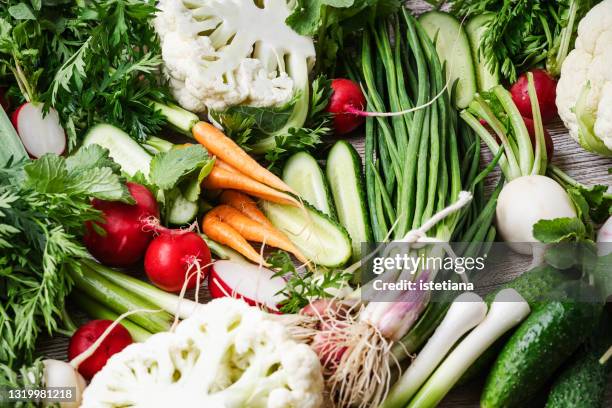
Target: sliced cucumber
{"x":453,"y":49}
{"x":343,"y":171}
{"x":179,"y":118}
{"x":486,"y":78}
{"x":303,"y":174}
{"x":182,"y":211}
{"x":315,"y":234}
{"x":122,"y":148}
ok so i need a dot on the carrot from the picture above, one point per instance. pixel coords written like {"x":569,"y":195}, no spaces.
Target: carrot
{"x":227,"y":150}
{"x":225,"y":234}
{"x":221,"y":179}
{"x":226,"y":166}
{"x":245,"y":205}
{"x":253,"y":231}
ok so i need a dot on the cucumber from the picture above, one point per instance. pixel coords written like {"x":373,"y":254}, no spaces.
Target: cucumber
{"x":124,"y":150}
{"x":486,"y":77}
{"x":343,"y":171}
{"x":303,"y":174}
{"x":581,"y":385}
{"x":551,"y":334}
{"x":180,"y":119}
{"x":454,"y":49}
{"x":182,"y":211}
{"x":532,"y":285}
{"x":315,"y":234}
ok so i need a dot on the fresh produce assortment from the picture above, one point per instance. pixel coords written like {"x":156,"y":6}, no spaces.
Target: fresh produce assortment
{"x":159,"y":154}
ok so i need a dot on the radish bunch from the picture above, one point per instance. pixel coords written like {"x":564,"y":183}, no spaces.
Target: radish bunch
{"x":40,"y":132}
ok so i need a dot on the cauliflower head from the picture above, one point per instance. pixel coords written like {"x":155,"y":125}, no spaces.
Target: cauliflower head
{"x":228,"y":355}
{"x":584,"y":91}
{"x":221,"y":53}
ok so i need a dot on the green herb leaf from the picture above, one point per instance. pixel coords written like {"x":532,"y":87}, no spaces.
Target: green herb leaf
{"x":21,"y":11}
{"x":559,"y":230}
{"x":168,"y":168}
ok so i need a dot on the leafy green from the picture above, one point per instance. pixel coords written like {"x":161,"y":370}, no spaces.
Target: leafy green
{"x":44,"y":205}
{"x":80,"y":58}
{"x":251,"y":127}
{"x":301,"y":289}
{"x":559,"y":230}
{"x":168,"y":168}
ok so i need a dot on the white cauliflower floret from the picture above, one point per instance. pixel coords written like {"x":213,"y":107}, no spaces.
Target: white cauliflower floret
{"x":221,"y":53}
{"x":584,"y":91}
{"x":228,"y":355}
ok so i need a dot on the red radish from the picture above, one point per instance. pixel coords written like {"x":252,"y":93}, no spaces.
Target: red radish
{"x":347,"y":99}
{"x":546,"y":90}
{"x":40,"y":133}
{"x":126,"y":239}
{"x":550,"y":146}
{"x":255,"y":285}
{"x":174,"y":255}
{"x":118,"y":339}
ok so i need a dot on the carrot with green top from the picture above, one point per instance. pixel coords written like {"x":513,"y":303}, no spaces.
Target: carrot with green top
{"x":227,"y":150}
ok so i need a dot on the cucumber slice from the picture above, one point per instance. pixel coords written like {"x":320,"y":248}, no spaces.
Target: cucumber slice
{"x":343,"y":171}
{"x":182,"y":211}
{"x":122,"y":148}
{"x":475,"y":28}
{"x":180,"y":119}
{"x":315,"y":234}
{"x":453,"y":49}
{"x":303,"y":174}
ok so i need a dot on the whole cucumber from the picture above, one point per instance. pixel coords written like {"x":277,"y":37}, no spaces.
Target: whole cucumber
{"x":552,"y":333}
{"x":581,"y":385}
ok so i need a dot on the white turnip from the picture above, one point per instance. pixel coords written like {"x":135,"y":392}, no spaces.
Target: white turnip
{"x":346,"y":104}
{"x":62,"y":374}
{"x":177,"y":259}
{"x":40,"y":132}
{"x":256,"y":285}
{"x":125,"y":236}
{"x":523,"y":202}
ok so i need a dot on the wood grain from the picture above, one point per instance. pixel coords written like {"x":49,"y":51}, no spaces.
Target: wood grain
{"x":583,"y":166}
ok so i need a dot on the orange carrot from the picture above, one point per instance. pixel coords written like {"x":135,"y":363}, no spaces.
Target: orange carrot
{"x":225,"y":234}
{"x":227,"y":150}
{"x":253,"y":231}
{"x":245,"y":205}
{"x":221,"y":179}
{"x":225,"y":166}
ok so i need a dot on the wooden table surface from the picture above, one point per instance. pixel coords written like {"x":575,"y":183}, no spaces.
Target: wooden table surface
{"x":583,"y":166}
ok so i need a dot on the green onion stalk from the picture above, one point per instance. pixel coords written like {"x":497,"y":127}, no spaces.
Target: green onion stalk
{"x":417,"y":186}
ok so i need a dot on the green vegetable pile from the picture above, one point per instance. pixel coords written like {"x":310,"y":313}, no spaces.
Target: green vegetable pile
{"x":79,"y":58}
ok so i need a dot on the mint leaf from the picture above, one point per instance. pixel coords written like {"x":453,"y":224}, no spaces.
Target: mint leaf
{"x":89,"y":157}
{"x":169,"y":168}
{"x":48,"y":174}
{"x":559,"y":230}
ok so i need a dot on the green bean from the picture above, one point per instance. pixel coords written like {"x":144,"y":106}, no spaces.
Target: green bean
{"x":386,"y":200}
{"x":370,"y":142}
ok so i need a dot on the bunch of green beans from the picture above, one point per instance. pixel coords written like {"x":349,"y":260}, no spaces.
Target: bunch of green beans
{"x":417,"y":163}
